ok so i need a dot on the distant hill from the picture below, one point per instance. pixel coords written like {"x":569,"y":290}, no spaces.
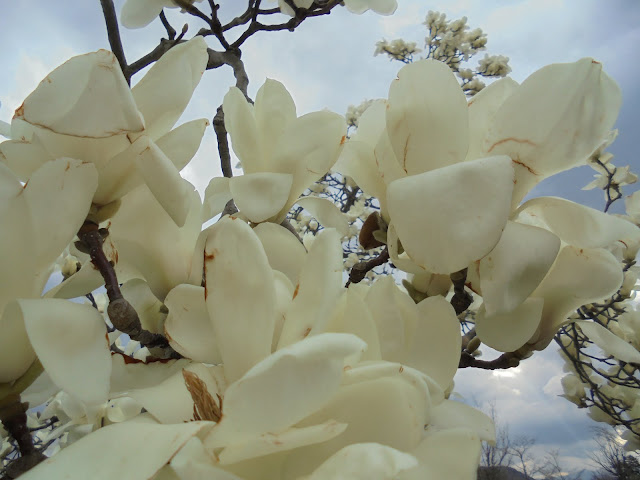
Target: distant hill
{"x":500,"y":473}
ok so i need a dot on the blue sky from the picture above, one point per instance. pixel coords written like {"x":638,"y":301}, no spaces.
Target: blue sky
{"x":328,"y":63}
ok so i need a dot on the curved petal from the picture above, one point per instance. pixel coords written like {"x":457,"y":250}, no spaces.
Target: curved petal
{"x":120,"y":446}
{"x":357,"y":160}
{"x":437,"y":213}
{"x":508,"y":331}
{"x":326,"y":213}
{"x":140,"y":13}
{"x":451,"y":414}
{"x":291,"y":384}
{"x":274,"y":112}
{"x":164,"y":92}
{"x":609,"y":342}
{"x":240,"y":122}
{"x":261,"y":195}
{"x":145,"y":303}
{"x":284,"y":251}
{"x":364,"y":461}
{"x":516,"y":266}
{"x":69,"y":340}
{"x":188,"y":327}
{"x":436,"y":341}
{"x":577,"y":224}
{"x":427,"y":119}
{"x":23,"y":158}
{"x":482,"y":108}
{"x":239,"y":286}
{"x":65,"y":102}
{"x":216,"y":196}
{"x":16,"y":352}
{"x":317,"y":290}
{"x":182,"y":143}
{"x":554,"y":120}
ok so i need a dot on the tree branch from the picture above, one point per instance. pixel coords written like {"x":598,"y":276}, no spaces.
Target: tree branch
{"x":360,"y":270}
{"x":113,"y":33}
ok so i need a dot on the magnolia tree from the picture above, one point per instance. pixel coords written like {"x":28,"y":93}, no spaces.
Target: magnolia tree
{"x":236,"y":351}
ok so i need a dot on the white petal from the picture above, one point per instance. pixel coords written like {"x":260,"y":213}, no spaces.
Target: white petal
{"x":142,"y":299}
{"x":216,"y":197}
{"x":182,"y":143}
{"x":274,"y":111}
{"x":516,"y":266}
{"x":436,"y":341}
{"x":165,"y":90}
{"x":317,"y":290}
{"x":140,"y":13}
{"x":194,"y":462}
{"x":428,"y":126}
{"x":16,"y":351}
{"x":577,"y":224}
{"x":240,"y":122}
{"x":453,"y":453}
{"x":260,"y":196}
{"x":482,"y":108}
{"x":70,"y":342}
{"x":609,"y":342}
{"x":239,"y":287}
{"x":23,"y":158}
{"x":364,"y":461}
{"x":508,"y":331}
{"x":119,"y":446}
{"x":67,"y":100}
{"x":451,"y":414}
{"x":284,"y":251}
{"x":291,"y":384}
{"x":188,"y":327}
{"x":165,"y":183}
{"x":129,"y":374}
{"x":326,"y":213}
{"x":437,"y":212}
{"x":554,"y":120}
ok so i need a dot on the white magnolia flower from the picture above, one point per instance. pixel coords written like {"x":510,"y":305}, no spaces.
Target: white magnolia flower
{"x":85,"y":110}
{"x":382,"y":7}
{"x":281,"y":154}
{"x":140,"y":13}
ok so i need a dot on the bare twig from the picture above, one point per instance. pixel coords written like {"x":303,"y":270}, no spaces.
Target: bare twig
{"x":360,"y":270}
{"x":113,"y":33}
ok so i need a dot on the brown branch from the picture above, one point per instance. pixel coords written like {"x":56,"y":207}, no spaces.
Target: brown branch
{"x":113,"y":33}
{"x":461,"y":299}
{"x":223,"y":143}
{"x":13,"y":415}
{"x":121,"y":313}
{"x":504,"y":361}
{"x":360,"y":270}
{"x":171,"y":32}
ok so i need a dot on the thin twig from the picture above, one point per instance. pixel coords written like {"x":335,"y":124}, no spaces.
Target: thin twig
{"x":360,"y":270}
{"x":113,"y":33}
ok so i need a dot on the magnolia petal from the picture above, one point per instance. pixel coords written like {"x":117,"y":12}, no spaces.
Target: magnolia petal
{"x":165,"y":90}
{"x":308,"y":148}
{"x":240,"y":122}
{"x":145,"y":303}
{"x":182,"y":143}
{"x":274,"y":111}
{"x":216,"y":196}
{"x":270,"y":443}
{"x":129,"y":374}
{"x":554,"y":120}
{"x":16,"y":352}
{"x":262,"y":195}
{"x":69,"y":340}
{"x":171,"y":400}
{"x":364,"y":461}
{"x":188,"y":327}
{"x":357,"y":160}
{"x":436,"y":341}
{"x":390,"y":410}
{"x":357,"y":319}
{"x":453,"y":453}
{"x":578,"y":276}
{"x":609,"y":342}
{"x":307,"y":374}
{"x":194,"y":462}
{"x":452,"y":414}
{"x":317,"y":290}
{"x":239,"y":285}
{"x":516,"y":266}
{"x":395,"y":318}
{"x":577,"y":224}
{"x":508,"y":331}
{"x":326,"y":213}
{"x":65,"y":102}
{"x":284,"y":294}
{"x":482,"y":108}
{"x":402,"y":261}
{"x":434,"y":232}
{"x":120,"y":446}
{"x":381,"y":7}
{"x":284,"y":251}
{"x":167,"y":186}
{"x":428,"y":127}
{"x":140,"y":13}
{"x":156,"y":249}
{"x":23,"y":158}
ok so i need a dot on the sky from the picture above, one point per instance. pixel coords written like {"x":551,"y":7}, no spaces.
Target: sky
{"x":328,"y":63}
